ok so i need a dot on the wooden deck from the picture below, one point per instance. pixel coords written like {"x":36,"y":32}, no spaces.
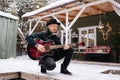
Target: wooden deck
{"x":23,"y":76}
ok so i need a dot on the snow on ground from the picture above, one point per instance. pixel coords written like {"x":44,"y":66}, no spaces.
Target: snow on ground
{"x":80,"y":71}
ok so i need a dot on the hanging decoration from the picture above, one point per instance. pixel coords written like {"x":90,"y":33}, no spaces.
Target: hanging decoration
{"x":105,"y":33}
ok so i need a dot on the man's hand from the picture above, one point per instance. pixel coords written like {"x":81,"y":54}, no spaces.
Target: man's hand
{"x":41,"y":48}
{"x":66,"y":46}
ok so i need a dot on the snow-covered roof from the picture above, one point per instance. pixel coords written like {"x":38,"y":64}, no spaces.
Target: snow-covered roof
{"x":59,"y":9}
{"x":55,"y":4}
{"x":8,"y":15}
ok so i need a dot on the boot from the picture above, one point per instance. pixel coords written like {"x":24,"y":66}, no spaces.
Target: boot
{"x":64,"y":70}
{"x":43,"y":70}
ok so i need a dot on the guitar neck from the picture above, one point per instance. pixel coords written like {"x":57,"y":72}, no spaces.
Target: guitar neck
{"x":61,"y":46}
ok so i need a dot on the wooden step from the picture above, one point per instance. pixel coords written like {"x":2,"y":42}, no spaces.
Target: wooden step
{"x":23,"y":76}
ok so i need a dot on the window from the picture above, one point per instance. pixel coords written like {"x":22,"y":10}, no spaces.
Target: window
{"x":88,"y":35}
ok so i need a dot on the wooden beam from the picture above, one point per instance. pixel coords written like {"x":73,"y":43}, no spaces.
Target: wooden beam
{"x":21,"y":35}
{"x":72,"y":5}
{"x":98,"y":9}
{"x":30,"y":76}
{"x":63,"y":16}
{"x":86,"y":13}
{"x":10,"y":75}
{"x":23,"y":75}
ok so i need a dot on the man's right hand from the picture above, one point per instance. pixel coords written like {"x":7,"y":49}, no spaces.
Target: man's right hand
{"x":41,"y":48}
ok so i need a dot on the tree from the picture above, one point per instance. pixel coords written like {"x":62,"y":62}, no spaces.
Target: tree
{"x":19,"y":7}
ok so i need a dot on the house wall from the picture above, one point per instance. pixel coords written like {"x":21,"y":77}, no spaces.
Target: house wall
{"x":114,"y":36}
{"x":112,"y":18}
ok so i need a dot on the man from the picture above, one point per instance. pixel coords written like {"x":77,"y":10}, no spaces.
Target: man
{"x":48,"y":59}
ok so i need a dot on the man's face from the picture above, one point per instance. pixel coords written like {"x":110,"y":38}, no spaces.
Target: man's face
{"x":53,"y":28}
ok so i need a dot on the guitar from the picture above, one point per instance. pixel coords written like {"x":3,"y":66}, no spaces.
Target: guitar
{"x":34,"y":54}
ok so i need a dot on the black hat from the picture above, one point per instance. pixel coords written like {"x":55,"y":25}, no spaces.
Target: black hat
{"x":52,"y":21}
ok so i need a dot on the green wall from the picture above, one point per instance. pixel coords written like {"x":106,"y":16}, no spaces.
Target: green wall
{"x":8,"y":37}
{"x":112,"y":18}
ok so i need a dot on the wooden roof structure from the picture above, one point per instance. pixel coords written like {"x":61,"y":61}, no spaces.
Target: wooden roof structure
{"x":69,"y":11}
{"x":74,"y":7}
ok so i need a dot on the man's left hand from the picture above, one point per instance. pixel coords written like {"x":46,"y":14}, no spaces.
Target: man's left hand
{"x":66,"y":46}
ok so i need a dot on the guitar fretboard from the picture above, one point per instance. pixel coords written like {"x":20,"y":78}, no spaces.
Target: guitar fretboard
{"x":60,"y":46}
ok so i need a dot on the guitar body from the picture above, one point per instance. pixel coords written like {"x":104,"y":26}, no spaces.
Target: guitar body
{"x":34,"y":54}
{"x":32,"y":51}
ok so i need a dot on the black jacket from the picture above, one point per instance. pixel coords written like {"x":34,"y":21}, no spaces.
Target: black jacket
{"x":45,"y":36}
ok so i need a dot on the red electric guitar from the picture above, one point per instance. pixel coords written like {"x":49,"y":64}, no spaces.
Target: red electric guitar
{"x":34,"y":54}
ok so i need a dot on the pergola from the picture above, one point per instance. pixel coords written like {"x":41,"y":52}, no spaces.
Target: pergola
{"x":69,"y":11}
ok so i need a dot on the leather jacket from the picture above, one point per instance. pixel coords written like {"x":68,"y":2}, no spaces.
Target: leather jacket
{"x":44,"y":36}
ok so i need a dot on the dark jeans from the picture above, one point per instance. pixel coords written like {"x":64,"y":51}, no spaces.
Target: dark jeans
{"x":66,"y":54}
{"x":57,"y":55}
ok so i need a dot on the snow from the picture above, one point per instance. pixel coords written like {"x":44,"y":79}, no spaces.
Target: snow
{"x":55,"y":4}
{"x":8,"y":15}
{"x":80,"y":71}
